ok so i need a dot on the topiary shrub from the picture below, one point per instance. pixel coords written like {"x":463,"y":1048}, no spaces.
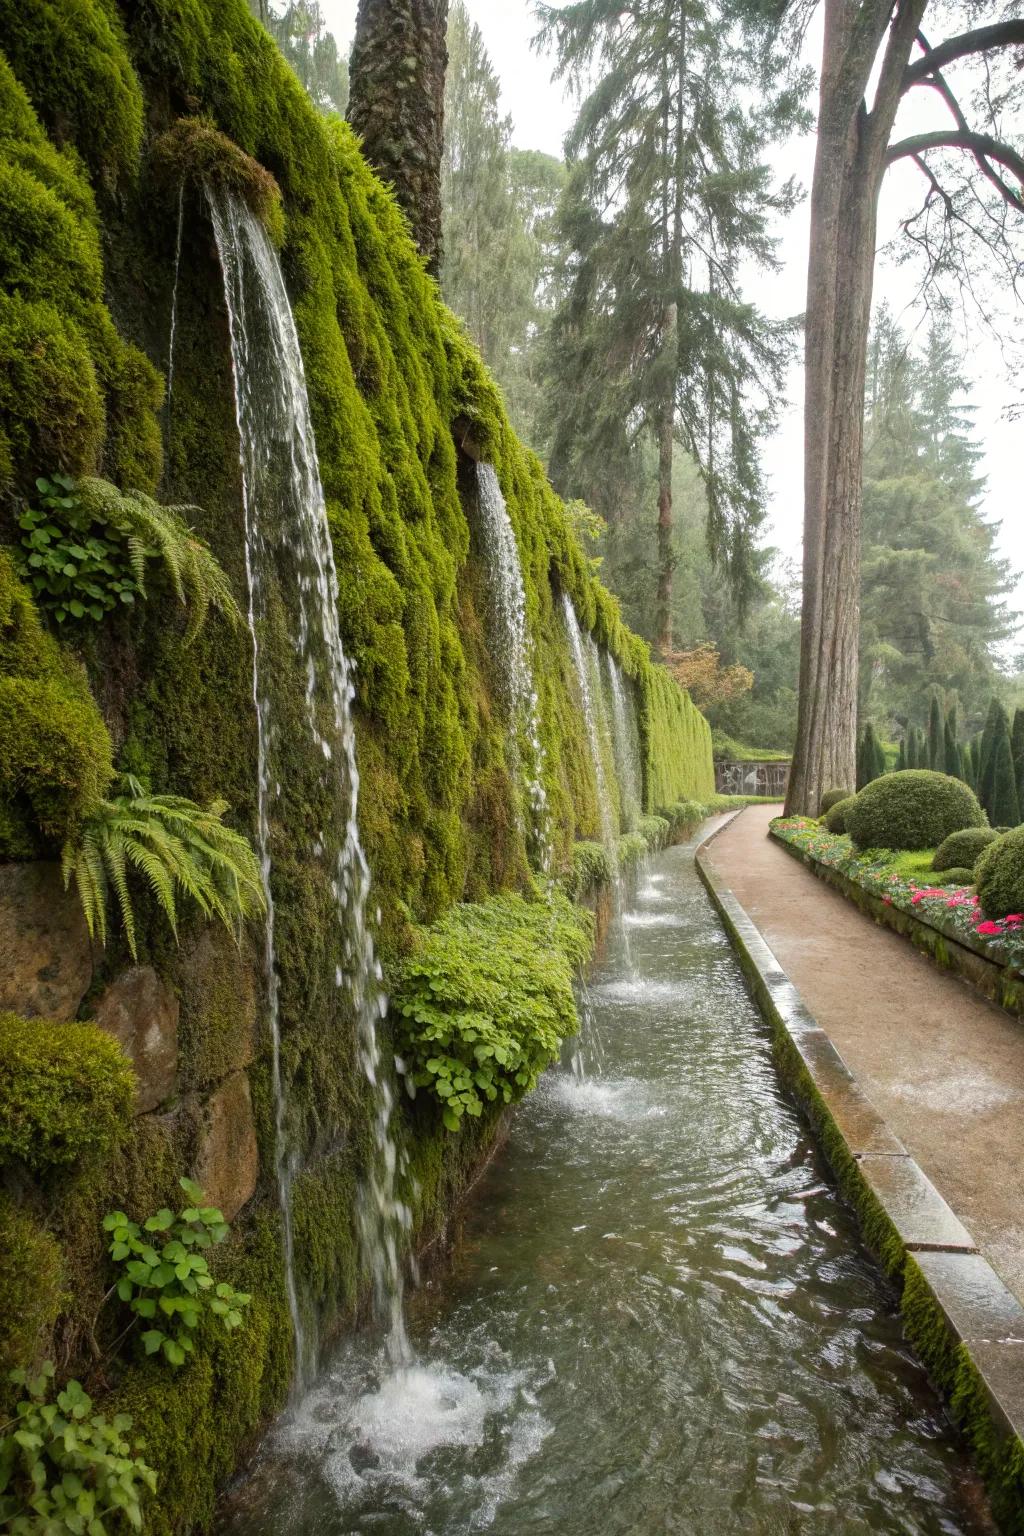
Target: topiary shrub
{"x":962,"y":850}
{"x":913,"y":809}
{"x":67,"y":1092}
{"x":835,"y":817}
{"x":999,"y":875}
{"x":957,"y":876}
{"x":832,"y":797}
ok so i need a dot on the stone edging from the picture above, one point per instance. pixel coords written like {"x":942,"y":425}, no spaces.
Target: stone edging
{"x":964,"y":1323}
{"x":1000,"y":984}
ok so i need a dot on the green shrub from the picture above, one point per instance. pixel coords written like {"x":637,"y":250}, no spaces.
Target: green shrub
{"x":66,"y":1091}
{"x":914,"y":809}
{"x":957,"y":876}
{"x":832,"y":797}
{"x":486,"y":997}
{"x":630,"y":849}
{"x":962,"y":850}
{"x":684,"y":813}
{"x":999,"y":875}
{"x":835,"y":817}
{"x":65,"y":1468}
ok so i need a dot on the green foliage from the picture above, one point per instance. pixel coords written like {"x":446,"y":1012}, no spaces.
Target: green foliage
{"x":591,"y":867}
{"x":1002,"y":807}
{"x":75,"y":566}
{"x":1017,"y":750}
{"x":312,"y":51}
{"x":830,"y":798}
{"x":182,"y":849}
{"x":870,"y":757}
{"x":195,"y":151}
{"x":67,"y":1093}
{"x":55,"y":751}
{"x":958,"y":874}
{"x":33,"y":1289}
{"x":64,"y":1468}
{"x":485,"y":999}
{"x":915,"y":809}
{"x":170,"y":1287}
{"x":999,"y":875}
{"x":962,"y":850}
{"x":936,"y":742}
{"x":838,"y":811}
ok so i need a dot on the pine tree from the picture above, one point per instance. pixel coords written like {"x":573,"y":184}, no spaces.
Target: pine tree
{"x":913,"y":756}
{"x":936,"y":740}
{"x":1003,"y":810}
{"x":669,"y":195}
{"x":300,"y":31}
{"x":870,"y":757}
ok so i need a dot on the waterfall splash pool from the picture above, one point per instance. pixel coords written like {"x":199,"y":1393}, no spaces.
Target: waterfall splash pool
{"x":658,"y":1317}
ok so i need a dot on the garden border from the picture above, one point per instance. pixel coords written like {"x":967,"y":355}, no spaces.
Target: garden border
{"x":1001,"y":985}
{"x":964,"y":1323}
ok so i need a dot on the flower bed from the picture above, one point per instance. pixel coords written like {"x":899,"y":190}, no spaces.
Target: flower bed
{"x":879,"y":881}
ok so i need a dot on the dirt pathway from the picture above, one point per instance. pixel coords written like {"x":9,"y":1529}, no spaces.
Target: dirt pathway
{"x":944,"y":1067}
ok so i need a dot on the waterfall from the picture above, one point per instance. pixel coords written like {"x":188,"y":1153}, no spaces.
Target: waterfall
{"x":591,"y":704}
{"x":626,"y":739}
{"x":174,"y":308}
{"x":287,"y":535}
{"x":515,"y":650}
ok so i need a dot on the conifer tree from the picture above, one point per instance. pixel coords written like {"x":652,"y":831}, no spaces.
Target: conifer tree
{"x":1003,"y":810}
{"x":669,"y":195}
{"x":901,"y":759}
{"x":986,"y":765}
{"x":967,"y":764}
{"x":936,"y":739}
{"x":870,"y":757}
{"x":878,"y":757}
{"x":951,"y":750}
{"x":1017,"y":749}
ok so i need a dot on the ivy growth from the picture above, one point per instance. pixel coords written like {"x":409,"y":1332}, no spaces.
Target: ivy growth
{"x":64,"y":1468}
{"x":170,"y":1286}
{"x":486,"y":999}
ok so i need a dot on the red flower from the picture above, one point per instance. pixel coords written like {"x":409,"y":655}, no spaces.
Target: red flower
{"x":988,"y":928}
{"x":887,"y":901}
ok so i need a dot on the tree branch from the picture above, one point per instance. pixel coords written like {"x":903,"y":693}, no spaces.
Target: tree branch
{"x":938,"y":83}
{"x":975,"y":144}
{"x":1001,"y":34}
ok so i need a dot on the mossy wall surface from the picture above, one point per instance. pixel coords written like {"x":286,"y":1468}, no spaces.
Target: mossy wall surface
{"x":93,"y":193}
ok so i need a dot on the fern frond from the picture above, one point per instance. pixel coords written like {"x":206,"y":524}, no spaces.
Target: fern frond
{"x":199,"y":580}
{"x":183,"y":850}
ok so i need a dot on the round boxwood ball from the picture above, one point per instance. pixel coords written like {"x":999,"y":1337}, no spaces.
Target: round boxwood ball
{"x":962,"y":850}
{"x":914,"y":808}
{"x":835,"y":819}
{"x":999,"y":875}
{"x":832,"y":797}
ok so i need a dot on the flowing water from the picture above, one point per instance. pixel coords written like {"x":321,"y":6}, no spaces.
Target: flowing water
{"x":626,"y":739}
{"x":169,"y":393}
{"x":657,"y":1319}
{"x":511,"y":643}
{"x":293,"y":584}
{"x":592,"y":705}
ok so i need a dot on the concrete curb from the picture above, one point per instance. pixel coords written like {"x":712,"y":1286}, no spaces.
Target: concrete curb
{"x":966,"y":1325}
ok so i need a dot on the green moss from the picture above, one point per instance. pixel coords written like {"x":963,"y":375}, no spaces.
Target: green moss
{"x":32,"y":1292}
{"x":591,"y":867}
{"x":66,"y":1089}
{"x":55,"y":751}
{"x":195,"y":151}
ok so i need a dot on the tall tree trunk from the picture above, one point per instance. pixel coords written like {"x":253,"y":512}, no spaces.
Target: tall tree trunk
{"x":848,"y":170}
{"x":666,"y":556}
{"x":396,"y":105}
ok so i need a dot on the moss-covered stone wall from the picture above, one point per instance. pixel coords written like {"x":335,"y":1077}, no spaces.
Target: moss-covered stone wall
{"x":96,"y":181}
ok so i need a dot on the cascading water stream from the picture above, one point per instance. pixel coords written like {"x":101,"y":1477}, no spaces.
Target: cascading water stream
{"x":626,"y":740}
{"x":287,"y":538}
{"x":609,"y":832}
{"x":174,"y":308}
{"x":514,"y":645}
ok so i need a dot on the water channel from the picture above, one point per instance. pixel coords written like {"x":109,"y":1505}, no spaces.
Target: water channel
{"x":658,"y":1317}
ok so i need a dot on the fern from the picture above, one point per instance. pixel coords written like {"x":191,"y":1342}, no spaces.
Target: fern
{"x":149,"y":529}
{"x":182,"y":850}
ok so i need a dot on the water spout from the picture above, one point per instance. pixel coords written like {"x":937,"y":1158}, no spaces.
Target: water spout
{"x":626,"y":739}
{"x":590,"y":702}
{"x":293,"y":585}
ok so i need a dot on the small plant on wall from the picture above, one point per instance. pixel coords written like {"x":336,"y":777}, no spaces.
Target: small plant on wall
{"x":164,"y":1277}
{"x":182,"y":849}
{"x":65,"y":1468}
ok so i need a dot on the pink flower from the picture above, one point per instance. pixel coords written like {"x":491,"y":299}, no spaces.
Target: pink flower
{"x":988,"y":928}
{"x":1014,"y":917}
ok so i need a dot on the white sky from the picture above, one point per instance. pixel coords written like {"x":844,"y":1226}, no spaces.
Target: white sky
{"x":541,"y":117}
